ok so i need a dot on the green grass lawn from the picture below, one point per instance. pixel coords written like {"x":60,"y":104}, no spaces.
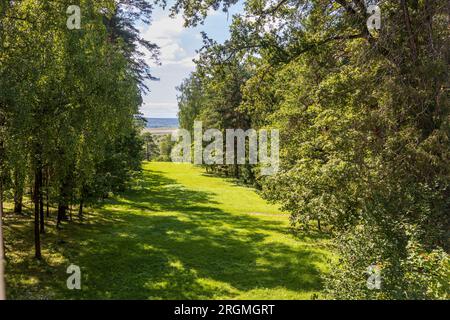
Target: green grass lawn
{"x":179,"y":234}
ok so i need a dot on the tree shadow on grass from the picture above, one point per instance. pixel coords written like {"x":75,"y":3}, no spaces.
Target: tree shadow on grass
{"x":163,"y":241}
{"x":167,"y":258}
{"x":156,"y":192}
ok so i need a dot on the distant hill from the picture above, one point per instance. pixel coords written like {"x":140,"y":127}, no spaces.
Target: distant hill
{"x":157,"y":123}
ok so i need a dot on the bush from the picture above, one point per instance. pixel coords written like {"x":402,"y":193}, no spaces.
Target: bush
{"x":409,"y":272}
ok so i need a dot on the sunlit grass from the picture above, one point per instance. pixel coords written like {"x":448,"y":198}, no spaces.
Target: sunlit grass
{"x":179,"y":234}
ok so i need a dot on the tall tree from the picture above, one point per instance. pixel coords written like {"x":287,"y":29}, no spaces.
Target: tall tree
{"x":71,"y":99}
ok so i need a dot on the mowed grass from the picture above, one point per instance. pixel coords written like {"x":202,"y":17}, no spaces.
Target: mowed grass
{"x":178,"y":234}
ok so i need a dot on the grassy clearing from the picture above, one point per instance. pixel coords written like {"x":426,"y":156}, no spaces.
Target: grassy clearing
{"x":179,"y":234}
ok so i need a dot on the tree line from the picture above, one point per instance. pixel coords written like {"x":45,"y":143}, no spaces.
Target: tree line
{"x":364,"y":123}
{"x":69,"y":104}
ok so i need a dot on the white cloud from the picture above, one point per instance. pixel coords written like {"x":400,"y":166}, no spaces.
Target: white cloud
{"x":168,"y":33}
{"x":178,"y":49}
{"x":164,"y":104}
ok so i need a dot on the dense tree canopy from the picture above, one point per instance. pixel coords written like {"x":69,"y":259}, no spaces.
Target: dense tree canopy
{"x":69,"y":102}
{"x":364,"y":120}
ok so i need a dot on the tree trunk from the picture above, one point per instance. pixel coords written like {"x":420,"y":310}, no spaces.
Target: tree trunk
{"x":31,"y":193}
{"x":411,"y":36}
{"x":41,"y":202}
{"x":47,"y":188}
{"x":80,"y":210}
{"x":64,"y":200}
{"x":47,"y":205}
{"x":18,"y":200}
{"x":18,"y":193}
{"x":2,"y":250}
{"x":37,"y":238}
{"x":62,"y":213}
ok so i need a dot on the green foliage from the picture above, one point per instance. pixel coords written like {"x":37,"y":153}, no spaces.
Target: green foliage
{"x":165,"y":148}
{"x":69,"y":101}
{"x":365,"y":131}
{"x":364,"y":118}
{"x":151,"y":149}
{"x":413,"y":273}
{"x":213,"y":96}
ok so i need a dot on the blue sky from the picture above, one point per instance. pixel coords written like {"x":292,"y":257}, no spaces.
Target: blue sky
{"x":178,"y":46}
